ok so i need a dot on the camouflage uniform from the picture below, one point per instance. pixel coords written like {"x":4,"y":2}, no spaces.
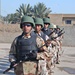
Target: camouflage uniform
{"x":59,"y":43}
{"x":60,"y":38}
{"x":43,"y":56}
{"x":53,"y":45}
{"x":28,"y":67}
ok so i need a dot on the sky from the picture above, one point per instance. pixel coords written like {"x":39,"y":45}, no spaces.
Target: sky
{"x":57,"y":6}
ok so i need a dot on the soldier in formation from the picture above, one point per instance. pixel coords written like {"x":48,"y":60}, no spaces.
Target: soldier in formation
{"x":24,"y":49}
{"x":46,"y":29}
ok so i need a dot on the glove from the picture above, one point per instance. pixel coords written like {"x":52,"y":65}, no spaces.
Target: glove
{"x":12,"y":64}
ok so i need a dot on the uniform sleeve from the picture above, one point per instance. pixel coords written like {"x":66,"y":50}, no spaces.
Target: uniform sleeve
{"x":47,"y":37}
{"x":40,"y":43}
{"x":53,"y":42}
{"x":12,"y":51}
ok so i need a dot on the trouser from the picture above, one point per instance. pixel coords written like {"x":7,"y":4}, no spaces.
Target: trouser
{"x":26,"y":68}
{"x":42,"y":69}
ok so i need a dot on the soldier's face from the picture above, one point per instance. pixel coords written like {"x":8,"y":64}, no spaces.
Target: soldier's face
{"x":46,"y":25}
{"x":51,"y":29}
{"x":58,"y":29}
{"x":38,"y":27}
{"x":27,"y":27}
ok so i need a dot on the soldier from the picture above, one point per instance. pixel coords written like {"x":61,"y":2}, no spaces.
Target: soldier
{"x":52,"y":28}
{"x":38,"y":28}
{"x":59,"y":32}
{"x":24,"y":49}
{"x":44,"y":55}
{"x":46,"y":29}
{"x":53,"y":49}
{"x":57,"y":29}
{"x":55,"y":42}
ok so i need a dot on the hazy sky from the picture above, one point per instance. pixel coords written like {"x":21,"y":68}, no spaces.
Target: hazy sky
{"x":57,"y":6}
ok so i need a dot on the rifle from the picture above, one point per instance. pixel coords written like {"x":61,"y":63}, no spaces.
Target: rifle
{"x":51,"y":32}
{"x":57,"y":36}
{"x":61,"y":31}
{"x":53,"y":38}
{"x":11,"y":67}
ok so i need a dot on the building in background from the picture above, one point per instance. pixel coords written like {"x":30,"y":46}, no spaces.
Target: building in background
{"x":62,"y":19}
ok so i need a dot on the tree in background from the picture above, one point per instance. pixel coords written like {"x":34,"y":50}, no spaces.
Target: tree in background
{"x":24,"y":10}
{"x":11,"y":18}
{"x":40,"y":10}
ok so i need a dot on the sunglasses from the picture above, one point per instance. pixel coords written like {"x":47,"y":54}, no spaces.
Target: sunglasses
{"x":46,"y":23}
{"x":28,"y":25}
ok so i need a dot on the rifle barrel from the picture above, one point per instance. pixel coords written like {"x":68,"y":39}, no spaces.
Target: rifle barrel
{"x":6,"y":70}
{"x":61,"y":33}
{"x":61,"y":30}
{"x":51,"y":33}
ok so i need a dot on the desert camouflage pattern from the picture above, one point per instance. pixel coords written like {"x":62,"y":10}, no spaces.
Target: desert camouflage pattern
{"x":44,"y":59}
{"x":44,"y":63}
{"x":26,"y":68}
{"x":40,"y":42}
{"x":42,"y":70}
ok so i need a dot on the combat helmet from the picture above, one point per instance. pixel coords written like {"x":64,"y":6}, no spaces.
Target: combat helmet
{"x":46,"y":20}
{"x":57,"y":27}
{"x":52,"y":26}
{"x":27,"y":19}
{"x":39,"y":21}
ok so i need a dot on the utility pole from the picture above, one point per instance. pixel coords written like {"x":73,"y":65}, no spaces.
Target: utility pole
{"x":0,"y":10}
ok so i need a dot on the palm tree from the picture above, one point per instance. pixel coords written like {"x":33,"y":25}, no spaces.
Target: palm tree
{"x":40,"y":10}
{"x":24,"y":10}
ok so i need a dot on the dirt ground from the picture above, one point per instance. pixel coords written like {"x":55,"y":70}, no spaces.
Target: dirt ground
{"x":9,"y":28}
{"x":8,"y":32}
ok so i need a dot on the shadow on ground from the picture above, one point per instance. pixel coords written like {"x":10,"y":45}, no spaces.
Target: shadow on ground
{"x":4,"y":64}
{"x":67,"y":69}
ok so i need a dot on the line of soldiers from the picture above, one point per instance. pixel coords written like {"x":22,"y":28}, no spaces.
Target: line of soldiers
{"x":37,"y":49}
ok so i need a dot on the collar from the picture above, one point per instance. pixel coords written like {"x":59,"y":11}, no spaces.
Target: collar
{"x":45,"y":28}
{"x":26,"y":37}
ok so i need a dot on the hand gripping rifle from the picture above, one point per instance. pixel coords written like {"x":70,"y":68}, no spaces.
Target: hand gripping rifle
{"x":31,"y":54}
